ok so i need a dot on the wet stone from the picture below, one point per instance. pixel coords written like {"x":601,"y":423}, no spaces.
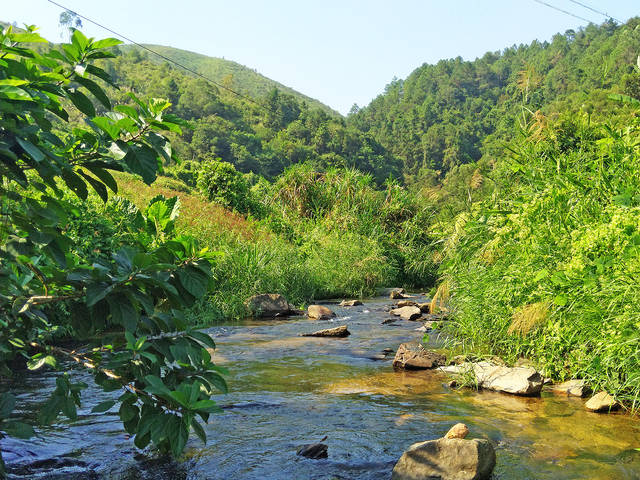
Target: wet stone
{"x":340,"y":331}
{"x":602,"y":402}
{"x":572,"y":388}
{"x":319,"y":312}
{"x":414,"y":356}
{"x":350,"y":303}
{"x":314,"y":451}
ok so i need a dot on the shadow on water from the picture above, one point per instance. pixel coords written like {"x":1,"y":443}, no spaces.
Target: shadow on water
{"x":288,"y":390}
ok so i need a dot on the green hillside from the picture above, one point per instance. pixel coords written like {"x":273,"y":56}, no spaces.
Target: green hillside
{"x":229,"y":73}
{"x":456,"y":112}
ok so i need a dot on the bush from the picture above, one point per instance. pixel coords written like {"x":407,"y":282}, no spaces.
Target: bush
{"x":186,"y":172}
{"x":220,"y":182}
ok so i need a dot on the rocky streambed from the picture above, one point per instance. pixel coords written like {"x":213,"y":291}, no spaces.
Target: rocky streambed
{"x":289,"y":391}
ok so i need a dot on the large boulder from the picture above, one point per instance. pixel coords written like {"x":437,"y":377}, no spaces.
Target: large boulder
{"x":269,"y":305}
{"x":446,"y":459}
{"x":340,"y":331}
{"x":319,"y":312}
{"x":602,"y":402}
{"x":414,"y":356}
{"x":514,"y":380}
{"x":407,"y":313}
{"x":572,"y":388}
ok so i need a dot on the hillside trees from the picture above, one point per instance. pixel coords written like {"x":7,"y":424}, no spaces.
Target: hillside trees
{"x":49,"y":288}
{"x":262,"y":137}
{"x":456,"y":112}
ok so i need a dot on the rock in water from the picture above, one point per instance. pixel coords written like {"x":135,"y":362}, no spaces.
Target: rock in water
{"x":396,"y":294}
{"x":406,"y":303}
{"x":340,"y":331}
{"x":350,"y":303}
{"x":385,"y":292}
{"x":602,"y":402}
{"x":459,"y":430}
{"x":573,"y":388}
{"x":414,"y":356}
{"x":407,"y":313}
{"x":268,"y":305}
{"x":424,"y":307}
{"x":446,"y":459}
{"x":314,"y":450}
{"x":319,"y":312}
{"x":516,"y":380}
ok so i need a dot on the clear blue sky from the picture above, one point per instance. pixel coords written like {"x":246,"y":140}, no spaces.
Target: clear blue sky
{"x":338,"y":51}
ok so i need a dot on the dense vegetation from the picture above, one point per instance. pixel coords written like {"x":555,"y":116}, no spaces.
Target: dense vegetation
{"x":548,"y":267}
{"x":263,"y":136}
{"x":54,"y":284}
{"x":512,"y":180}
{"x":458,"y":112}
{"x":238,"y":77}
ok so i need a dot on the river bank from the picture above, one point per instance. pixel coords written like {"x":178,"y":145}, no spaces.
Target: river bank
{"x":287,"y":391}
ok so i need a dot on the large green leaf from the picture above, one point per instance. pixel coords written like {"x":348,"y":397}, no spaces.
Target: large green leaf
{"x":18,"y":429}
{"x":143,"y":161}
{"x":106,"y":43}
{"x":194,"y":281}
{"x":95,"y":89}
{"x":81,"y":101}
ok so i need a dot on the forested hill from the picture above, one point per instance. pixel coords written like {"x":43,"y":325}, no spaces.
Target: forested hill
{"x":228,"y":73}
{"x":456,"y":112}
{"x":263,"y":135}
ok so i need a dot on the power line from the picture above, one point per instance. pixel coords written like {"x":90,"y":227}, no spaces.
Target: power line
{"x":558,"y":9}
{"x":158,"y":54}
{"x":605,"y":14}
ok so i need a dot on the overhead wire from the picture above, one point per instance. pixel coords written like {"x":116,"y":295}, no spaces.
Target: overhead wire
{"x":563,"y":11}
{"x":605,"y":14}
{"x":164,"y":57}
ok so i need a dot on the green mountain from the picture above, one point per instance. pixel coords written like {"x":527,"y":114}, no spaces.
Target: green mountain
{"x":456,"y":112}
{"x":264,"y":136}
{"x":238,"y":77}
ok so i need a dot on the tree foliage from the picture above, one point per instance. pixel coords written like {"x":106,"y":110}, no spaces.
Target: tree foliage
{"x":138,"y":293}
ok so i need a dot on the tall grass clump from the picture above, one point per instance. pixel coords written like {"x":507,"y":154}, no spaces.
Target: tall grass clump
{"x":548,"y":267}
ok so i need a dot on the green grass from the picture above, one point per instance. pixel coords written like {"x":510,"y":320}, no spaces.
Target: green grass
{"x":548,"y":267}
{"x":333,"y":237}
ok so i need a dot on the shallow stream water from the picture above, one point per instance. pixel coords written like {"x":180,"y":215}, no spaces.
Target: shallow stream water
{"x":287,"y":391}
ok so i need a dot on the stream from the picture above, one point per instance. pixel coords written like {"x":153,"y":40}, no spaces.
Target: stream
{"x":287,"y":391}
